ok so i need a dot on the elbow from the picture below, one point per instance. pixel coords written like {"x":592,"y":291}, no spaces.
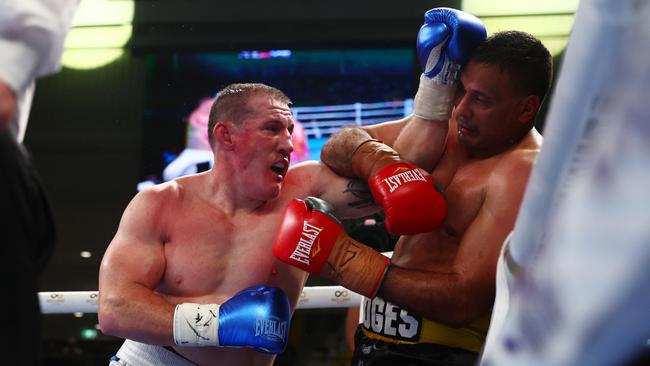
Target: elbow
{"x":325,"y":153}
{"x":108,"y":315}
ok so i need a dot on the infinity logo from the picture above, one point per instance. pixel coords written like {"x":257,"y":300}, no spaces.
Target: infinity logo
{"x":339,"y":293}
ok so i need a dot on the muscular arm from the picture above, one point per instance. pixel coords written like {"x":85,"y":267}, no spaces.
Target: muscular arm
{"x":466,"y":291}
{"x":131,"y":268}
{"x":422,"y":142}
{"x":350,"y":197}
{"x":339,"y":148}
{"x":407,"y":194}
{"x":417,"y":140}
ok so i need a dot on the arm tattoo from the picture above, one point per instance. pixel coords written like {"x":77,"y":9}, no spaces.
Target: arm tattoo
{"x":360,"y":190}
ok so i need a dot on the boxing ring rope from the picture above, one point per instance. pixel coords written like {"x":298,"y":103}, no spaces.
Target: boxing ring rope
{"x":316,"y":297}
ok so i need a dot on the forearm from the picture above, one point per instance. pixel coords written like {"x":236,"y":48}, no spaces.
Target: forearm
{"x":444,"y":297}
{"x":407,"y":193}
{"x":422,"y":142}
{"x":136,"y":312}
{"x":338,"y":150}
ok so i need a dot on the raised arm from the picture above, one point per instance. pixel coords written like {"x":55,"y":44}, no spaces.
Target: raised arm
{"x":407,"y":194}
{"x":416,"y":140}
{"x":461,"y":295}
{"x":339,"y":149}
{"x":132,"y":267}
{"x":411,"y":201}
{"x":444,"y":44}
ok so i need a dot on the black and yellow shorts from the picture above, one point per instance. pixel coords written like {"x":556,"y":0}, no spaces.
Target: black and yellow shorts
{"x":389,"y":335}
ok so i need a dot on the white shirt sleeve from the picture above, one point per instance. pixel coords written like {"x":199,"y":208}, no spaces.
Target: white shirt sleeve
{"x":32,"y":33}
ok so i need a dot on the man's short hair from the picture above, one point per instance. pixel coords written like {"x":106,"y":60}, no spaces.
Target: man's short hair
{"x":522,"y":56}
{"x":231,"y":103}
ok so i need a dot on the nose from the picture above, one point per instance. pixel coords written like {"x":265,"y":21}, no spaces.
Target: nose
{"x":286,"y":144}
{"x":462,"y":106}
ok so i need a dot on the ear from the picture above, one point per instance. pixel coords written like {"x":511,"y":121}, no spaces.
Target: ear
{"x":528,"y":109}
{"x":223,"y":135}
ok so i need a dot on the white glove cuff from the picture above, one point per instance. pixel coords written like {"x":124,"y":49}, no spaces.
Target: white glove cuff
{"x":434,"y":101}
{"x":196,"y":325}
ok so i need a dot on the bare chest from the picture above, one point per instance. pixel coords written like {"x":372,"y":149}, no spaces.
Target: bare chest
{"x":211,"y":257}
{"x":465,"y":189}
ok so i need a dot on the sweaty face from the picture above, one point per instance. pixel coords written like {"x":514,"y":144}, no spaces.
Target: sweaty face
{"x":487,"y":109}
{"x":263,"y":147}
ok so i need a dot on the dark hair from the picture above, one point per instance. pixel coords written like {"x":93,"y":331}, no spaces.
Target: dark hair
{"x":231,"y":103}
{"x":523,"y":56}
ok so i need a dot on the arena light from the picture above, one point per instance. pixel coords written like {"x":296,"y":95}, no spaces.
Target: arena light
{"x":260,"y":55}
{"x":88,"y":333}
{"x":550,"y":21}
{"x":100,"y":30}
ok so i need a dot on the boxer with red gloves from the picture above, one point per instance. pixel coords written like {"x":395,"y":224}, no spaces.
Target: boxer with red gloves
{"x":311,"y":238}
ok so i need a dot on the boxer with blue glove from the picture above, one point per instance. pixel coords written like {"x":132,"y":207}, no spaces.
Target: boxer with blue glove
{"x":435,"y":299}
{"x":257,"y":317}
{"x":200,"y":239}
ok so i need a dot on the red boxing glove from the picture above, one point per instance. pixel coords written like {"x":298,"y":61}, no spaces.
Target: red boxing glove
{"x":310,"y":237}
{"x":410,"y":199}
{"x":408,"y":194}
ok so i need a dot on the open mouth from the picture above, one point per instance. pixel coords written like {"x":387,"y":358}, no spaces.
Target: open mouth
{"x":280,"y":167}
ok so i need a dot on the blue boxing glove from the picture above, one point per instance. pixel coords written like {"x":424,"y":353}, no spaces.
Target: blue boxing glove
{"x":256,"y":317}
{"x":445,"y":43}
